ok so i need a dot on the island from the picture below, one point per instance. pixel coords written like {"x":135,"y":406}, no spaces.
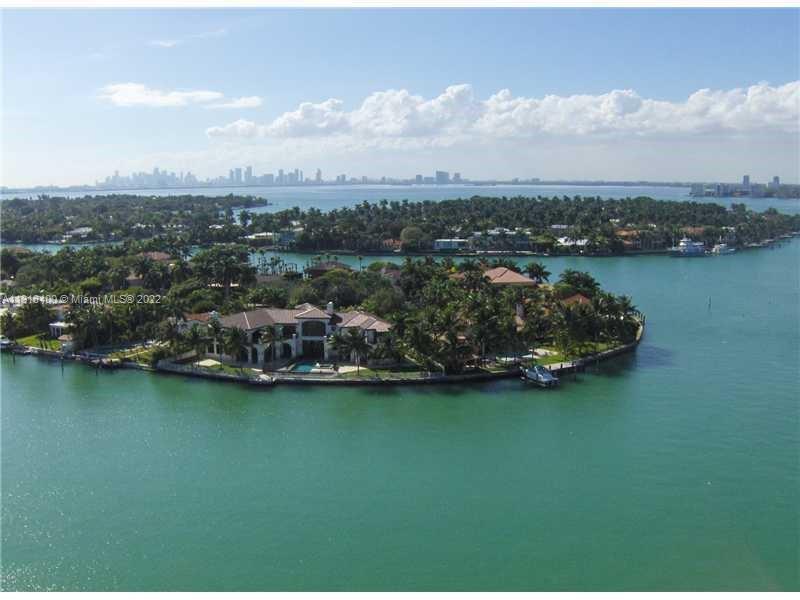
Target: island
{"x":213,"y":314}
{"x":588,"y":226}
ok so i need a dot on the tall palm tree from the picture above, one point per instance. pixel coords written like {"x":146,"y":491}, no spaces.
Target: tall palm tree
{"x":233,"y":342}
{"x":270,"y":338}
{"x":215,"y":328}
{"x":196,"y":340}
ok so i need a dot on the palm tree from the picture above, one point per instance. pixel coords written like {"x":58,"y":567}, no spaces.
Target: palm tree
{"x":215,"y":327}
{"x":270,"y":338}
{"x":233,"y":342}
{"x":537,"y":271}
{"x":351,"y":343}
{"x":196,"y":340}
{"x":143,"y":266}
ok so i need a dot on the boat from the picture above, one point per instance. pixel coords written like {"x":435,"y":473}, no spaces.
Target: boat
{"x":688,"y":248}
{"x":5,"y":344}
{"x":722,"y":249}
{"x":540,"y":375}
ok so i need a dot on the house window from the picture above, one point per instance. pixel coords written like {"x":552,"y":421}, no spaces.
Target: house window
{"x":313,"y":329}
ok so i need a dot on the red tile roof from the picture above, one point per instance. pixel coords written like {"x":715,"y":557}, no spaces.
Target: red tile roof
{"x":576,"y":299}
{"x":505,"y":276}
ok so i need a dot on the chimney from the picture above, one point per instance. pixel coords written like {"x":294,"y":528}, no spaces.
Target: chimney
{"x":329,"y":308}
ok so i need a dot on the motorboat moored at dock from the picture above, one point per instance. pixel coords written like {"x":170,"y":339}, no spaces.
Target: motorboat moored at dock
{"x":721,"y":248}
{"x":540,"y":375}
{"x":688,"y":248}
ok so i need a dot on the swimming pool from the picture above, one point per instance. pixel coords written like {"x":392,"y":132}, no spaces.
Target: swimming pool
{"x":303,"y":368}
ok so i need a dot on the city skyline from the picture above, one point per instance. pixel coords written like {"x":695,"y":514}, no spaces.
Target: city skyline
{"x":247,"y":176}
{"x":610,"y":94}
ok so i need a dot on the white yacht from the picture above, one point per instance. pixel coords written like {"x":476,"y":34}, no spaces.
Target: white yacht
{"x":688,"y":248}
{"x":722,"y":249}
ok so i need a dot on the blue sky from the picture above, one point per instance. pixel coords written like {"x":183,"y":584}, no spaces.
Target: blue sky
{"x":68,"y":117}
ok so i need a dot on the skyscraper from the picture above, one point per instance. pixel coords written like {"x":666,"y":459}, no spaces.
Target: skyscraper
{"x":442,"y":177}
{"x":318,"y":177}
{"x":237,"y":172}
{"x":418,"y":180}
{"x":248,"y":175}
{"x":746,"y":181}
{"x":231,"y":176}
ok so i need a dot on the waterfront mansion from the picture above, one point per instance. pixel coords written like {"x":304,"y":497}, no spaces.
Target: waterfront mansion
{"x":302,"y":331}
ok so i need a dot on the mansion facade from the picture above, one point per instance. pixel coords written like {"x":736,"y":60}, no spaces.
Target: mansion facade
{"x":302,"y":331}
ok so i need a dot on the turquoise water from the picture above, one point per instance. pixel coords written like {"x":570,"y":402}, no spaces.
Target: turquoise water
{"x":675,"y":468}
{"x":303,"y":367}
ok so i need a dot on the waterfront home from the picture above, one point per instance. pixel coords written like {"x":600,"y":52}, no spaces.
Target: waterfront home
{"x":503,"y":276}
{"x":81,"y":232}
{"x":318,"y":269}
{"x":302,"y":331}
{"x":450,"y":244}
{"x":568,"y":242}
{"x":191,"y":319}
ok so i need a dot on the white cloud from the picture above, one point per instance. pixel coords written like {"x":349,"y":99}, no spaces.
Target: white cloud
{"x":395,"y":118}
{"x":172,"y":43}
{"x":138,"y":94}
{"x":165,"y":43}
{"x":243,"y":102}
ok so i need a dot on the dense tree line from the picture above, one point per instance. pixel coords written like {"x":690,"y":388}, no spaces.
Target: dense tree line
{"x":119,"y":217}
{"x":366,"y":226}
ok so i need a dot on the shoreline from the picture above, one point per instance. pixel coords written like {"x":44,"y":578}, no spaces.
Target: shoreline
{"x":765,"y":243}
{"x":165,"y":367}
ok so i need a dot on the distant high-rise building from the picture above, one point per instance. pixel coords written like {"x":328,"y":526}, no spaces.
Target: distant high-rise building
{"x":456,"y":177}
{"x":746,"y":181}
{"x":231,"y":176}
{"x":248,"y":175}
{"x":318,"y":177}
{"x":776,"y":182}
{"x":418,"y":179}
{"x":442,"y":177}
{"x":237,"y":175}
{"x":281,"y":178}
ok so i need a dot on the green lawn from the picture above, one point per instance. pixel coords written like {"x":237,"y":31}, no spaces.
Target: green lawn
{"x":137,"y":354}
{"x":223,"y":368}
{"x":39,"y":340}
{"x":367,"y":373}
{"x":586,"y":350}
